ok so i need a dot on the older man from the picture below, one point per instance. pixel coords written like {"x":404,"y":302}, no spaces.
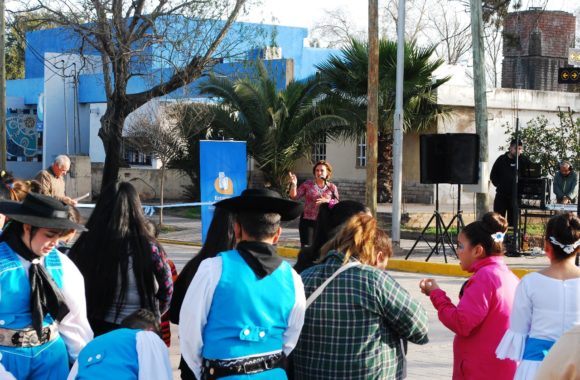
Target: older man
{"x":566,"y":184}
{"x":52,"y":180}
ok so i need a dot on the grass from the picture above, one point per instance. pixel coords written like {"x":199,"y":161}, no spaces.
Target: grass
{"x":165,"y":228}
{"x":184,"y":212}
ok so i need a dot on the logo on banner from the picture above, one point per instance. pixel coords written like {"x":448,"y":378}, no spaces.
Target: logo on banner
{"x":223,"y":184}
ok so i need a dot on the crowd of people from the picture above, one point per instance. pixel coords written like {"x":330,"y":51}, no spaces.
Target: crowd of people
{"x":95,"y":310}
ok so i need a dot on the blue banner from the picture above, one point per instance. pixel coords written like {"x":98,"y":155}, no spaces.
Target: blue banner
{"x":222,"y":174}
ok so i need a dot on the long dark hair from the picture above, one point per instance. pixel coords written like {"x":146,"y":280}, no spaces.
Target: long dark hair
{"x":327,"y":226}
{"x":220,"y":237}
{"x":117,"y":230}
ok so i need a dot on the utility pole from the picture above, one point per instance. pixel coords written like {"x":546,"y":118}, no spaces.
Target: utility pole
{"x":372,"y":107}
{"x":398,"y":129}
{"x":480,"y":99}
{"x":2,"y":88}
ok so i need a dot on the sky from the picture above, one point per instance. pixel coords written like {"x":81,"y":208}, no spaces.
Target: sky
{"x":305,"y":12}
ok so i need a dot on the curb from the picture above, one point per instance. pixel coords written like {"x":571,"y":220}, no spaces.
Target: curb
{"x":394,"y":264}
{"x":179,"y":242}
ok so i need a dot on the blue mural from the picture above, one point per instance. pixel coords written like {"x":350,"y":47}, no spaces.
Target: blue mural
{"x":23,"y":135}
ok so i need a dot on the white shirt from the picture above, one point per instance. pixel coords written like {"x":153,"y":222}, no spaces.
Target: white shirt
{"x":197,"y":304}
{"x":74,"y":328}
{"x":152,"y":357}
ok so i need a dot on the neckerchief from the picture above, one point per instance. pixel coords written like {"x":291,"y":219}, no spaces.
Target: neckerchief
{"x":45,"y":297}
{"x":261,"y":257}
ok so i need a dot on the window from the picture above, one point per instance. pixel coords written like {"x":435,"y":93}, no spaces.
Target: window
{"x":319,"y":150}
{"x":361,"y":152}
{"x":133,"y":157}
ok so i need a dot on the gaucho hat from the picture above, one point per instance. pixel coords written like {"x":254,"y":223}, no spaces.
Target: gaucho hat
{"x":263,"y":201}
{"x":40,"y":211}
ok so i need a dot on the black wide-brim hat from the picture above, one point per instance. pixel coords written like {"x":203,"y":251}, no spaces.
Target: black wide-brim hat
{"x":40,"y":211}
{"x":262,"y":201}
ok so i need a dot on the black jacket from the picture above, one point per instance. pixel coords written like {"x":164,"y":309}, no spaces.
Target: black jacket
{"x":502,"y":173}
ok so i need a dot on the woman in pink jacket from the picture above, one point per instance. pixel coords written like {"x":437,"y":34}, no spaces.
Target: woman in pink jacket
{"x":481,"y":317}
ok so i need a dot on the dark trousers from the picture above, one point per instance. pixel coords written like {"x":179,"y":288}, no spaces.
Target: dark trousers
{"x":503,"y":204}
{"x":186,"y":372}
{"x":306,"y":230}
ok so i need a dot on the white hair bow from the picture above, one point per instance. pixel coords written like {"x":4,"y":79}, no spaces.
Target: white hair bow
{"x":568,"y":248}
{"x":498,"y":237}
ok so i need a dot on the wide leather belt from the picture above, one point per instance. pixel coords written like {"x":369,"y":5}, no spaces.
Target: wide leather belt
{"x":27,"y":337}
{"x":215,"y":369}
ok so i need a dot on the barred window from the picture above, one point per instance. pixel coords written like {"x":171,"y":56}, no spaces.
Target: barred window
{"x":319,"y":150}
{"x":134,"y":157}
{"x":361,"y":152}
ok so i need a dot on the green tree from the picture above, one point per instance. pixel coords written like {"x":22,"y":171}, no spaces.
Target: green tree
{"x":279,"y":127}
{"x":347,"y":77}
{"x":548,"y":143}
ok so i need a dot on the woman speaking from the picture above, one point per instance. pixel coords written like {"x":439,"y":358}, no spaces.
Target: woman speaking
{"x":314,"y":192}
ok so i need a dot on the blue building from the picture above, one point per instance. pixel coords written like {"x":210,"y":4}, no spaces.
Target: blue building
{"x":57,"y":107}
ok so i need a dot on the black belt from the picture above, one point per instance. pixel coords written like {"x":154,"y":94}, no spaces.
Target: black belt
{"x":215,"y":369}
{"x":27,"y":337}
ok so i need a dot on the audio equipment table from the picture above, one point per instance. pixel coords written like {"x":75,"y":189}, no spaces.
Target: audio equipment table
{"x":572,"y":207}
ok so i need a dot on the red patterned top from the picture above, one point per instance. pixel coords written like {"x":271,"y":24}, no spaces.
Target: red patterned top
{"x":310,"y":191}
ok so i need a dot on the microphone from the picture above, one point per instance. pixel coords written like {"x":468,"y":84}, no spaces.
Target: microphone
{"x":323,"y":178}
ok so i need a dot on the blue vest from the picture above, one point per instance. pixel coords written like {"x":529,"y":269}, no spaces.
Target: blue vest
{"x":15,"y":287}
{"x":110,"y":356}
{"x":248,"y":315}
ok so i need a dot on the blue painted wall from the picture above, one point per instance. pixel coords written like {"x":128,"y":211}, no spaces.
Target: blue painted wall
{"x":91,"y":87}
{"x":29,"y":89}
{"x":310,"y":58}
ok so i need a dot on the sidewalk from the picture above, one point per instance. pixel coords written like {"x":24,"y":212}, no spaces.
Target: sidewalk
{"x":189,"y":232}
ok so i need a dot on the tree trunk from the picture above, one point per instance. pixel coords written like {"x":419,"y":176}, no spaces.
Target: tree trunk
{"x":385,"y":168}
{"x":111,"y":133}
{"x":162,"y":194}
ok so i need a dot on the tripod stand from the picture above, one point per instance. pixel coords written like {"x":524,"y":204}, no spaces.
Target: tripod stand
{"x":440,"y":232}
{"x":457,"y":217}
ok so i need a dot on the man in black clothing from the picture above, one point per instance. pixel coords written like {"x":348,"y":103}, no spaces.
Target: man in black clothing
{"x":502,"y":176}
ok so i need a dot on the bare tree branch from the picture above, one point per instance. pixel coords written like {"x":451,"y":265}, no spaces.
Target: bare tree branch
{"x":335,"y":29}
{"x":140,"y":38}
{"x":450,"y":31}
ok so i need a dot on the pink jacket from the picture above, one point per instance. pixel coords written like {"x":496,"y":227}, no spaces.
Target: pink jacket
{"x":480,"y":320}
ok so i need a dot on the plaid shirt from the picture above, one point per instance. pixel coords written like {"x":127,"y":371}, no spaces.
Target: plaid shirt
{"x":353,"y":329}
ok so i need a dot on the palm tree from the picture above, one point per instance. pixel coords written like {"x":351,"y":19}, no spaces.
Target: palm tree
{"x":347,"y":75}
{"x":279,"y":127}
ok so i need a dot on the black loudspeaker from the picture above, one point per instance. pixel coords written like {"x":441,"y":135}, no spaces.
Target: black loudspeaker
{"x":450,"y":158}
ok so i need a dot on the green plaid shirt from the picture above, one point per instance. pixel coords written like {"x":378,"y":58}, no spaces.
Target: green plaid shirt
{"x":353,"y":330}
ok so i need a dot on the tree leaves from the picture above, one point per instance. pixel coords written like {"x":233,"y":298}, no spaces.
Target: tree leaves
{"x":549,"y":143}
{"x":279,"y":127}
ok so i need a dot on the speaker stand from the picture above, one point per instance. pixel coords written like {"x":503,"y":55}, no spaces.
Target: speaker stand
{"x":457,"y":217}
{"x":440,"y":232}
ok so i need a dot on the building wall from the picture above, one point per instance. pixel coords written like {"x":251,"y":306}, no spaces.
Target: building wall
{"x":535,"y":45}
{"x":504,"y":105}
{"x":63,"y":131}
{"x":147,"y":181}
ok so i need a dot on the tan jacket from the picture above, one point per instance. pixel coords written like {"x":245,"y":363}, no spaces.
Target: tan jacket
{"x":50,"y":185}
{"x":563,"y":359}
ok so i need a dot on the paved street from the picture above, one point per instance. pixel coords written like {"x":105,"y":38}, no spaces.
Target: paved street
{"x":433,"y":360}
